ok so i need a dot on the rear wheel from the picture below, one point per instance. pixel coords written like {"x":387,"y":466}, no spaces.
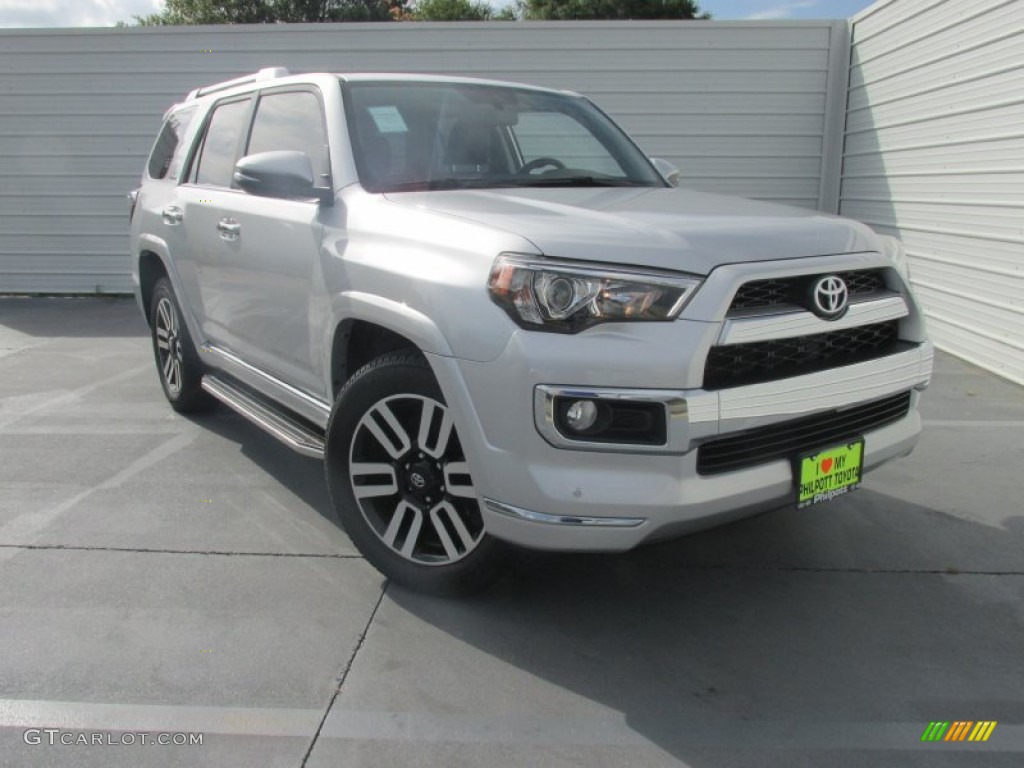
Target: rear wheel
{"x":177,"y":361}
{"x":400,"y":483}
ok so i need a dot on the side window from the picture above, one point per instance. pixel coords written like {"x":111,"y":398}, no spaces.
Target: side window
{"x":557,"y":135}
{"x":292,"y":121}
{"x":169,"y":152}
{"x":216,"y":159}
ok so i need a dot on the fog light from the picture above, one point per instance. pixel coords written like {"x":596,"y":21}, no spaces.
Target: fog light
{"x":581,"y":415}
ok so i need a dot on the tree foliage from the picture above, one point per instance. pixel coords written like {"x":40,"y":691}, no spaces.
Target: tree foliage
{"x":274,"y":11}
{"x":311,"y":11}
{"x":563,"y":10}
{"x":452,"y":10}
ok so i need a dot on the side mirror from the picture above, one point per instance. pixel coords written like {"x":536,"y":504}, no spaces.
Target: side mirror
{"x":284,"y":174}
{"x":668,"y":171}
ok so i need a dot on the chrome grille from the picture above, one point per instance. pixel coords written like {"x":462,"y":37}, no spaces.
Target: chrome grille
{"x":789,"y":438}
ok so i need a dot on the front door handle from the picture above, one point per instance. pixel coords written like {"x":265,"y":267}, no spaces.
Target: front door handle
{"x":173,"y":214}
{"x":229,"y":228}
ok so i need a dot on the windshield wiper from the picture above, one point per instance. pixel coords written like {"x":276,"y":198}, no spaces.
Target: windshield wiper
{"x":425,"y":185}
{"x":437,"y":184}
{"x":577,"y":181}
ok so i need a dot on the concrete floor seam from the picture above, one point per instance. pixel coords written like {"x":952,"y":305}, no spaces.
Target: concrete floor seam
{"x":681,"y":567}
{"x":212,"y":552}
{"x":344,"y":674}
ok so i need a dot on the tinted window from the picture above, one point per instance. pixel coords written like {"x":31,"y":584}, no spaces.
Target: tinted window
{"x":292,"y":121}
{"x":217,"y":157}
{"x":168,"y":152}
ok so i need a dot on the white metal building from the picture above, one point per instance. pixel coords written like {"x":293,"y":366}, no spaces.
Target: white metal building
{"x":934,"y":153}
{"x":909,"y":117}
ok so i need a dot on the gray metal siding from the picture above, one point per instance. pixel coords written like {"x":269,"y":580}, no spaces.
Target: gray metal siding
{"x":741,"y":107}
{"x":934,"y":153}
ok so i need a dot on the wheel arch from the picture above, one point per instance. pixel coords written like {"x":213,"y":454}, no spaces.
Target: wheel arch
{"x":366,"y":327}
{"x":357,"y":342}
{"x":151,"y":268}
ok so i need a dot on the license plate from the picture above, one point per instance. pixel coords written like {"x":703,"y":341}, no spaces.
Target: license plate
{"x":828,"y":474}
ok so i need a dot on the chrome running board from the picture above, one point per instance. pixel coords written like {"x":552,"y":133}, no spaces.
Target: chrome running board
{"x":279,"y":424}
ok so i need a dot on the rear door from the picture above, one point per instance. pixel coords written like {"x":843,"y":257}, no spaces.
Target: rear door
{"x":205,"y":200}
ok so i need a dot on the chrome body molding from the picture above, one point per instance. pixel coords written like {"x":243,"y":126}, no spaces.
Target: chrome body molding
{"x":567,"y":520}
{"x":304,"y":404}
{"x":695,"y":415}
{"x":787,"y":325}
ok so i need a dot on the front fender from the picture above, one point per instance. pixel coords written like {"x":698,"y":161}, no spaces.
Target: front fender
{"x":392,"y":315}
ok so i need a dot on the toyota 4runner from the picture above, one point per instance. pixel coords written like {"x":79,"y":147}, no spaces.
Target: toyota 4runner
{"x":497,"y":321}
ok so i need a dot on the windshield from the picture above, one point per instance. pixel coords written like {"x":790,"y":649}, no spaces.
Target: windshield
{"x":426,"y":135}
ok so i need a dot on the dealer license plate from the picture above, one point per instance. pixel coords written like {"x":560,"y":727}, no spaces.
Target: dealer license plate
{"x":828,"y":474}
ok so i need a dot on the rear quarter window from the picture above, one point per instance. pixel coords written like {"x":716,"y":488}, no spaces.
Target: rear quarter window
{"x":168,"y":153}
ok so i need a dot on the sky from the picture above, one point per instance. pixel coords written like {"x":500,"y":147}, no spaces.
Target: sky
{"x":104,"y":13}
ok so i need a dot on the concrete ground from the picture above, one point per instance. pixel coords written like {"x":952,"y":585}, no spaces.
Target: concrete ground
{"x":185,"y":576}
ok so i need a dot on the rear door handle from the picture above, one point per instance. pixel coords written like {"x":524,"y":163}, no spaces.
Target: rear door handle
{"x":229,"y":228}
{"x":173,"y":214}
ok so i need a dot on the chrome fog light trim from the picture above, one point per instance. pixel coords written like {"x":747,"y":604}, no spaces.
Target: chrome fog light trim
{"x":675,"y":405}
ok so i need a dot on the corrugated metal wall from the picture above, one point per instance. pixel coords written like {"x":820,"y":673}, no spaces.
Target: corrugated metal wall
{"x":746,"y":108}
{"x":934,"y":153}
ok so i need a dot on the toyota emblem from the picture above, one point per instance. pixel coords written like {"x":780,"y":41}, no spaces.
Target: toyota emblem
{"x":830,"y":297}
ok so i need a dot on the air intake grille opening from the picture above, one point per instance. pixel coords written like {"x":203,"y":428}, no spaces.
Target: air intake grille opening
{"x":789,"y":438}
{"x":739,"y":364}
{"x":759,"y":294}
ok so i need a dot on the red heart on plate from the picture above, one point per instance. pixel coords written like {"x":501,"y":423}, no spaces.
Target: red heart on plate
{"x":826,"y":465}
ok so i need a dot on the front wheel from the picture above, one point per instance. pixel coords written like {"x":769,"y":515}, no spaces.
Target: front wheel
{"x":400,"y":483}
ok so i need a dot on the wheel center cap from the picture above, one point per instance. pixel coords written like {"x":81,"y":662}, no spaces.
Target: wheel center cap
{"x":423,"y":480}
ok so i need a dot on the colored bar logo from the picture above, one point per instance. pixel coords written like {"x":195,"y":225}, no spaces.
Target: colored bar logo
{"x":958,"y":730}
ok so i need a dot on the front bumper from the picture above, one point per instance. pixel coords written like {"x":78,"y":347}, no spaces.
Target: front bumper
{"x":541,"y":495}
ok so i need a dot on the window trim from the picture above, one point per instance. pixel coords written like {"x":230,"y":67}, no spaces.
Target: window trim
{"x":200,"y":140}
{"x":297,"y":88}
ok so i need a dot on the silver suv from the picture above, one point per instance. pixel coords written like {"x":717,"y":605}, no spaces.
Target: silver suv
{"x":500,"y":323}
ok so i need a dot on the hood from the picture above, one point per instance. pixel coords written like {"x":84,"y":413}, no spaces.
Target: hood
{"x":667,"y":228}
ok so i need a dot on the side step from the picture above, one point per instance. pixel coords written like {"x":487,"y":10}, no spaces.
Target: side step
{"x":296,"y":436}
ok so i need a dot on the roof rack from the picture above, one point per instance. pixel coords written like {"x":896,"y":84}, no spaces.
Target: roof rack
{"x":267,"y":73}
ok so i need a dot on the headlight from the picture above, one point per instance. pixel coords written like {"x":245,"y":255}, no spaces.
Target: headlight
{"x":566,"y":297}
{"x":893,"y":248}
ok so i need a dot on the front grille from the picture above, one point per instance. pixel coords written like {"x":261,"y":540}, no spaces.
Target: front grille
{"x":759,"y":361}
{"x":758,"y":294}
{"x":790,"y":438}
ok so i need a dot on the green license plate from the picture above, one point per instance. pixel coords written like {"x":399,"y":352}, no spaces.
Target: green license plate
{"x":828,"y":474}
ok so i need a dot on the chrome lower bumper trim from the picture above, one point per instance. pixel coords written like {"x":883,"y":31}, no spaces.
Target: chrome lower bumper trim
{"x":569,"y":520}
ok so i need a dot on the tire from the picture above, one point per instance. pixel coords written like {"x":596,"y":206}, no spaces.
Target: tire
{"x":177,"y":361}
{"x":416,"y":517}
